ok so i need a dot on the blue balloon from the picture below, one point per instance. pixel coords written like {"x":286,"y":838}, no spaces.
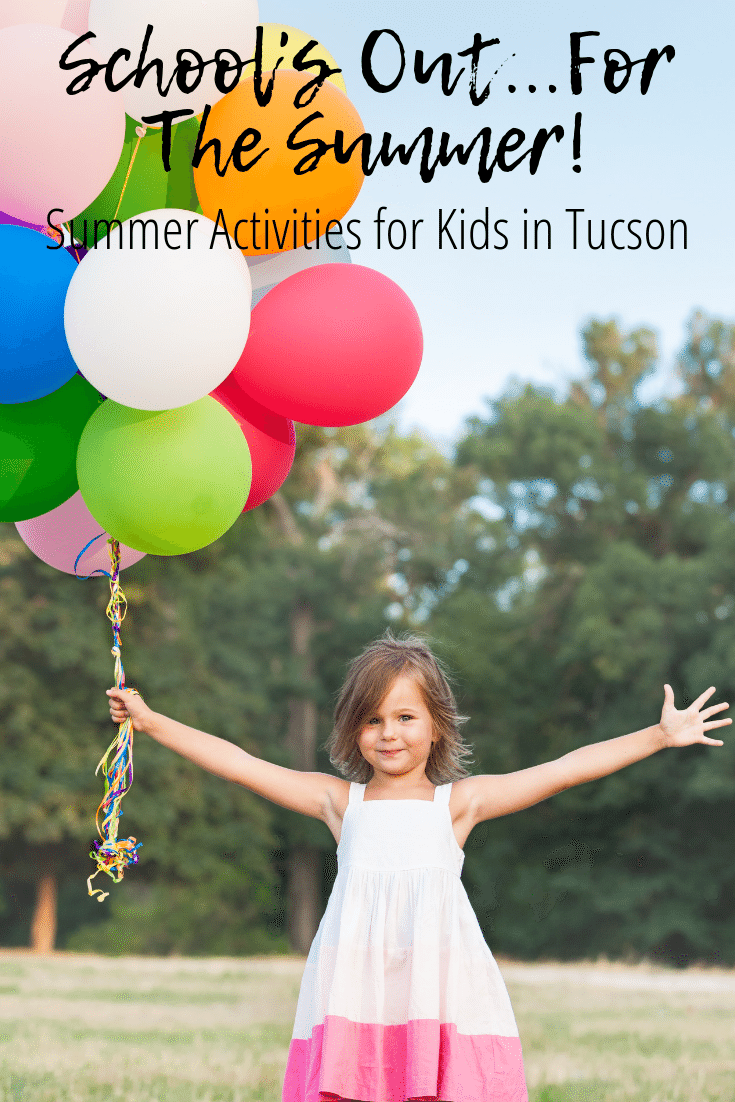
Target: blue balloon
{"x":34,"y":357}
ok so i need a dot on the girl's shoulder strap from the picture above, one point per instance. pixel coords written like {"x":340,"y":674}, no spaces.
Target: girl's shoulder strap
{"x":442,"y":792}
{"x":357,"y":791}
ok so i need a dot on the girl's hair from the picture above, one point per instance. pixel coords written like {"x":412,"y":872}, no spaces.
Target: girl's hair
{"x":369,"y":677}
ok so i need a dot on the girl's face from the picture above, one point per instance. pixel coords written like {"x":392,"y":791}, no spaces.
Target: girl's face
{"x":397,"y":739}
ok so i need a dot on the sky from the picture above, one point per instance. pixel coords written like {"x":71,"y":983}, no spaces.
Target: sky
{"x":491,"y":316}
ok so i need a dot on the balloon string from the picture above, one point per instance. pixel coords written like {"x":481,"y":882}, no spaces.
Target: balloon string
{"x":99,"y":570}
{"x":130,"y":169}
{"x":56,"y":235}
{"x":73,"y":243}
{"x":122,"y":194}
{"x":113,"y":856}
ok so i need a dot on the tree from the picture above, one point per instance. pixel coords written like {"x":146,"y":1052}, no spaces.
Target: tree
{"x":54,"y":726}
{"x":620,"y":516}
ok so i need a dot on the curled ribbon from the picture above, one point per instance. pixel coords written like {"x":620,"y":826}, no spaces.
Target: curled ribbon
{"x":113,"y":856}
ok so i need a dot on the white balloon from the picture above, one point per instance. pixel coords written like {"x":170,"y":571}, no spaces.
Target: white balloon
{"x":202,"y":25}
{"x":159,"y":327}
{"x":266,"y":272}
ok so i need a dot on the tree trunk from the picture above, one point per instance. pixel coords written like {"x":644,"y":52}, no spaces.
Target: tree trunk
{"x":304,"y":866}
{"x":304,"y":909}
{"x":303,"y":891}
{"x":43,"y":924}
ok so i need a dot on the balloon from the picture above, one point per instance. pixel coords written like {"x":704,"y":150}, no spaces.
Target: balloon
{"x":333,"y":345}
{"x":34,"y":356}
{"x":181,"y":25}
{"x":266,"y":272}
{"x":38,"y":445}
{"x":59,"y":536}
{"x":159,"y":327}
{"x":272,"y":184}
{"x":10,"y":220}
{"x":57,"y":150}
{"x":271,"y":440}
{"x":295,"y":40}
{"x":77,"y":251}
{"x":69,"y":14}
{"x":146,"y":185}
{"x":76,"y":17}
{"x":167,"y":482}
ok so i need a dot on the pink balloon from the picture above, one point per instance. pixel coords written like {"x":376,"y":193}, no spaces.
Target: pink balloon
{"x":333,"y":345}
{"x":13,"y":12}
{"x":72,"y":15}
{"x":271,"y":440}
{"x":58,"y":537}
{"x":76,"y":17}
{"x":58,"y":151}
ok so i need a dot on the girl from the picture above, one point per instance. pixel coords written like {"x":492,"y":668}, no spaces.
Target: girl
{"x":401,"y":997}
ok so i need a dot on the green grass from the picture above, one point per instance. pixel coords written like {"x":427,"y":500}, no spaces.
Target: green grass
{"x":585,"y":1042}
{"x":91,"y":1029}
{"x":164,"y":995}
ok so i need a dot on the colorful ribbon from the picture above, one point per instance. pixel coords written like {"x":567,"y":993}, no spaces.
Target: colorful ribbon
{"x":113,"y":856}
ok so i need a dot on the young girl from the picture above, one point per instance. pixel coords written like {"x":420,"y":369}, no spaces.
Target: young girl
{"x":401,"y":997}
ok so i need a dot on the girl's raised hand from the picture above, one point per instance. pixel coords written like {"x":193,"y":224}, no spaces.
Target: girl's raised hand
{"x":687,"y":727}
{"x":124,"y":703}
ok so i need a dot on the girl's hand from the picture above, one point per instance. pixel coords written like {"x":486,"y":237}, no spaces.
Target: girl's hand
{"x":688,"y":727}
{"x":124,"y":703}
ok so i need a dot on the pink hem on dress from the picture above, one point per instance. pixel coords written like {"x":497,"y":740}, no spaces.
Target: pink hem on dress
{"x":392,"y":1063}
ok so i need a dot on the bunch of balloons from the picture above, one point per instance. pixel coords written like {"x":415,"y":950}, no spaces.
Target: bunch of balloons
{"x":151,"y":365}
{"x":150,"y":376}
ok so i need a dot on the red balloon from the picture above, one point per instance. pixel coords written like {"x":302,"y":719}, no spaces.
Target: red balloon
{"x":337,"y":344}
{"x":271,"y":439}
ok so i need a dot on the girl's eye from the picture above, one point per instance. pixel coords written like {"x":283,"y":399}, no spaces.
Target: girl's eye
{"x":406,"y":717}
{"x":374,"y":720}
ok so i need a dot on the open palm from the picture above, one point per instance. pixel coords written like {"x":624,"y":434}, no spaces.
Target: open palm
{"x":682,"y":728}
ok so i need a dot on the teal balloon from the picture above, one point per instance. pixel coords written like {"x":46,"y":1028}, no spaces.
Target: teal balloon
{"x":166,"y":482}
{"x":38,"y":449}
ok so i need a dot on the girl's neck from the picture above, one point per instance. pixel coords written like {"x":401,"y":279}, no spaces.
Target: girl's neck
{"x":399,"y":788}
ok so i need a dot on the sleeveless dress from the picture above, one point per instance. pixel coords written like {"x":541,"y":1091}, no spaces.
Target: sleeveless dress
{"x":401,"y":997}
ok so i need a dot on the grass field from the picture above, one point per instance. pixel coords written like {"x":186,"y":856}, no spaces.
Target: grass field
{"x":77,"y":1028}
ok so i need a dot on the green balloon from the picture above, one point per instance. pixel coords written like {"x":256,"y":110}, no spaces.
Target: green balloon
{"x":38,"y":449}
{"x":164,"y":481}
{"x":149,"y":186}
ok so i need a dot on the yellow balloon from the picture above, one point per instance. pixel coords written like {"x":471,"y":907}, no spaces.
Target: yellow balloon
{"x":295,"y":41}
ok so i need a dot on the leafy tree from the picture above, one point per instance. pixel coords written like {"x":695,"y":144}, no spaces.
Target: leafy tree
{"x":621,"y":516}
{"x":54,"y":653}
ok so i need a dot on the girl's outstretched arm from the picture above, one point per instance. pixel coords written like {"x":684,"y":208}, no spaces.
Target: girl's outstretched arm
{"x":488,"y":797}
{"x":313,"y":794}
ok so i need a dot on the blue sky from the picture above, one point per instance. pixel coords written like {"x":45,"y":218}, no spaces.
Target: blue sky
{"x":489,"y":316}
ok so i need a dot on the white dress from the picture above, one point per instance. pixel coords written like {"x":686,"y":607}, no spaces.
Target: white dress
{"x":401,"y":997}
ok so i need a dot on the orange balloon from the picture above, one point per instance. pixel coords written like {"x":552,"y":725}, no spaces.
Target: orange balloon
{"x":256,"y":206}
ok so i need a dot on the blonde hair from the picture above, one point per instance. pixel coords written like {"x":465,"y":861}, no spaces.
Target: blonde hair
{"x":369,"y":677}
